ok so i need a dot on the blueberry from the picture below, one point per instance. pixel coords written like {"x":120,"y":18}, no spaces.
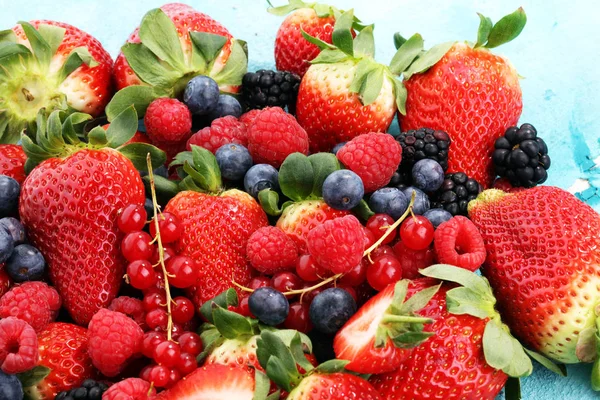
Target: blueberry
{"x":337,"y":147}
{"x":201,"y":95}
{"x":343,"y":190}
{"x":234,"y":161}
{"x":269,"y":305}
{"x":331,"y":309}
{"x":15,"y":228}
{"x":25,"y":264}
{"x":390,"y":201}
{"x":141,"y":125}
{"x":9,"y":196}
{"x":160,"y":171}
{"x":7,"y":245}
{"x":427,"y":175}
{"x":228,"y":105}
{"x":437,"y":216}
{"x":259,"y":177}
{"x":10,"y":387}
{"x":421,"y":200}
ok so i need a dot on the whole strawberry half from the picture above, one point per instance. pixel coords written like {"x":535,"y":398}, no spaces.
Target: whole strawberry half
{"x":12,"y":161}
{"x":70,"y":201}
{"x":65,"y":68}
{"x":216,"y":225}
{"x":470,"y":93}
{"x":543,"y":247}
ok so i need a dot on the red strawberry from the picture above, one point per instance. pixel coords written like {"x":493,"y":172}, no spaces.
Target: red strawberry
{"x":12,"y":161}
{"x":215,"y":229}
{"x":74,"y":71}
{"x":370,"y":339}
{"x":471,"y":94}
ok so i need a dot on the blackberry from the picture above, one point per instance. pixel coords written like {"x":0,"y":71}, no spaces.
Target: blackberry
{"x":266,"y":88}
{"x":521,"y":156}
{"x":423,"y":143}
{"x":89,"y":390}
{"x":456,"y":192}
{"x":401,"y":179}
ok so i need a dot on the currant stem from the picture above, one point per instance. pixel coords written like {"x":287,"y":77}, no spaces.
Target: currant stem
{"x":161,"y":252}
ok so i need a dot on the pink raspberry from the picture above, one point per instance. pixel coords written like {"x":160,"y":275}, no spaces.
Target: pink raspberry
{"x":249,"y":117}
{"x":168,"y":121}
{"x":133,"y":308}
{"x":372,"y":156}
{"x":413,"y":260}
{"x":130,"y":389}
{"x":274,"y":135}
{"x":222,"y":131}
{"x":338,"y":244}
{"x":459,"y":242}
{"x":270,"y":250}
{"x":34,"y":302}
{"x":113,"y":339}
{"x":18,"y":346}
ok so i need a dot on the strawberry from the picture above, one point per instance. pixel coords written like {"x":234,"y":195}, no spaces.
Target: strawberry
{"x":70,"y":201}
{"x":375,"y":340}
{"x":63,"y":350}
{"x":65,"y":69}
{"x":543,"y":259}
{"x":209,"y":233}
{"x":12,"y":161}
{"x":470,"y":93}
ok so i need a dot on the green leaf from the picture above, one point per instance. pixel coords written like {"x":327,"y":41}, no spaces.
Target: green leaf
{"x":211,"y":339}
{"x":497,"y":346}
{"x":371,"y":87}
{"x":278,"y":373}
{"x":322,"y":10}
{"x":236,"y":66}
{"x":262,"y":384}
{"x":323,"y":164}
{"x":428,"y":59}
{"x":33,"y":376}
{"x":329,"y":56}
{"x":298,"y":353}
{"x":205,"y":164}
{"x":595,"y":378}
{"x":97,"y":137}
{"x":274,"y":396}
{"x":316,"y":41}
{"x":8,"y":36}
{"x":148,"y":67}
{"x":363,"y":68}
{"x":461,"y":276}
{"x":420,"y":299}
{"x":507,"y":29}
{"x":158,"y":33}
{"x":222,"y":300}
{"x":8,"y":50}
{"x":53,"y":35}
{"x":78,"y":56}
{"x":288,"y":8}
{"x":363,"y":211}
{"x":406,"y":54}
{"x":41,"y":48}
{"x":408,"y":340}
{"x":122,"y":128}
{"x":165,"y":188}
{"x":462,"y":300}
{"x":231,"y":325}
{"x":521,"y":365}
{"x":398,"y":40}
{"x":512,"y":389}
{"x":137,"y":153}
{"x":208,"y":45}
{"x":559,"y":369}
{"x":288,"y":335}
{"x":364,"y":44}
{"x":485,"y":27}
{"x":69,"y":131}
{"x":332,"y":366}
{"x":269,"y":201}
{"x":401,"y":96}
{"x":138,"y":96}
{"x":342,"y":33}
{"x":296,"y":177}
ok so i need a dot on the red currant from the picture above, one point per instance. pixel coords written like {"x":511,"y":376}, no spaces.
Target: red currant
{"x":378,"y":225}
{"x":136,"y":246}
{"x":167,"y":353}
{"x":356,"y":275}
{"x":132,"y":218}
{"x":141,"y":274}
{"x":190,"y":343}
{"x":308,"y":270}
{"x":182,"y":271}
{"x":384,"y":270}
{"x":174,"y":377}
{"x":157,"y":318}
{"x":159,"y":375}
{"x":187,"y":363}
{"x":151,"y":340}
{"x":183,"y":310}
{"x":417,"y":232}
{"x":168,"y":252}
{"x":381,"y":251}
{"x":244,"y":308}
{"x":154,"y":300}
{"x":145,"y":372}
{"x":370,"y":239}
{"x":298,"y":318}
{"x":5,"y":282}
{"x":176,"y":330}
{"x":285,"y":282}
{"x":413,"y":260}
{"x":168,"y":226}
{"x":309,"y":296}
{"x":259,"y":281}
{"x":350,"y":290}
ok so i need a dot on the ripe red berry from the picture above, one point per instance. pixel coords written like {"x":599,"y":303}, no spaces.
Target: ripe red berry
{"x":369,"y":237}
{"x":132,"y":218}
{"x":183,"y":310}
{"x":137,"y":246}
{"x":5,"y":282}
{"x":190,"y":343}
{"x":18,"y":346}
{"x":413,"y":260}
{"x":151,"y":340}
{"x":298,"y":318}
{"x":356,"y":275}
{"x":168,"y":226}
{"x":459,"y":242}
{"x":285,"y":282}
{"x":174,"y":377}
{"x":270,"y":250}
{"x":384,"y":271}
{"x":222,"y":131}
{"x":381,"y":251}
{"x":168,"y":121}
{"x":417,"y":232}
{"x":167,"y":353}
{"x":159,"y":376}
{"x":141,"y":274}
{"x":168,"y":252}
{"x":350,"y":290}
{"x":259,"y":281}
{"x":154,"y":300}
{"x":378,"y":225}
{"x":182,"y":271}
{"x":157,"y":318}
{"x":187,"y":363}
{"x":308,"y":270}
{"x":244,"y":308}
{"x":145,"y":372}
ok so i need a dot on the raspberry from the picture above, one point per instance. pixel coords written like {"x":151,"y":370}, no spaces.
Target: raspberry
{"x":249,"y":117}
{"x":222,"y":131}
{"x":133,"y":308}
{"x":168,"y":121}
{"x":33,"y":302}
{"x":130,"y":389}
{"x":270,"y":250}
{"x":274,"y":135}
{"x":372,"y":156}
{"x":18,"y":346}
{"x":338,"y":244}
{"x":413,"y":260}
{"x":113,"y":339}
{"x":458,"y":242}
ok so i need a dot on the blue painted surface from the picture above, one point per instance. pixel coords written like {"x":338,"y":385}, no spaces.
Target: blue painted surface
{"x":558,"y":55}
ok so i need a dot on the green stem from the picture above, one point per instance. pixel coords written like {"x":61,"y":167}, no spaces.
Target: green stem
{"x":406,"y":318}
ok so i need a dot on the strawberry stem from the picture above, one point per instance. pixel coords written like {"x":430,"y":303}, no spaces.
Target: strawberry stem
{"x":406,"y":318}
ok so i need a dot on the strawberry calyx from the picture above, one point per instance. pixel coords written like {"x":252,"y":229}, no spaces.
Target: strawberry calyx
{"x":322,"y":10}
{"x":30,"y":79}
{"x":490,"y":35}
{"x":199,"y":171}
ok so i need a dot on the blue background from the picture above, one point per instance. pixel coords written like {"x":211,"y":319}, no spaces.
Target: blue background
{"x":557,"y":54}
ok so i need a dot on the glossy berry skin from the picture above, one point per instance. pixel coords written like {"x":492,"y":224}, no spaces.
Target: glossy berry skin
{"x":374,"y":157}
{"x":458,"y":242}
{"x":384,"y":271}
{"x":260,"y":177}
{"x":26,"y":263}
{"x":137,"y":246}
{"x":18,"y":346}
{"x":456,"y":192}
{"x":458,"y":75}
{"x":267,"y":88}
{"x":154,"y":300}
{"x":187,"y":364}
{"x":356,"y":275}
{"x":437,"y":216}
{"x":421,"y":204}
{"x":226,"y":105}
{"x":167,"y":353}
{"x":343,"y":190}
{"x":183,"y":310}
{"x":12,"y":162}
{"x":130,"y":388}
{"x":183,"y":271}
{"x":201,"y":95}
{"x":378,"y":224}
{"x":259,"y":281}
{"x":168,"y":121}
{"x":33,"y":302}
{"x":157,"y":318}
{"x":307,"y":268}
{"x":423,"y":143}
{"x":159,"y":376}
{"x":168,"y":226}
{"x":222,"y":131}
{"x":336,"y":386}
{"x":141,"y":274}
{"x":270,"y":250}
{"x":151,"y":340}
{"x":269,"y":305}
{"x":417,"y":232}
{"x":10,"y":386}
{"x":9,"y":196}
{"x":132,"y":218}
{"x":286,"y":282}
{"x":15,"y":228}
{"x":427,"y":175}
{"x":413,"y":260}
{"x":5,"y":282}
{"x":298,"y":318}
{"x":234,"y":161}
{"x":390,"y":201}
{"x":190,"y":343}
{"x":331,"y":309}
{"x":7,"y":245}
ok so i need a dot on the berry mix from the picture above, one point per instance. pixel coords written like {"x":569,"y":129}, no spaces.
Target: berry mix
{"x":211,"y":233}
